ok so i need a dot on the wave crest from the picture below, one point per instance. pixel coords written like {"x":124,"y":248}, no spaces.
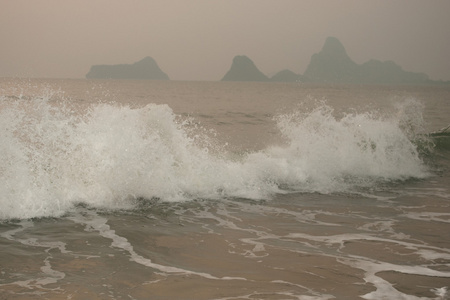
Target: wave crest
{"x":54,"y":156}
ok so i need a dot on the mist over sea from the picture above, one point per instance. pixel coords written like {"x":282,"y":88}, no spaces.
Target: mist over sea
{"x":135,"y":189}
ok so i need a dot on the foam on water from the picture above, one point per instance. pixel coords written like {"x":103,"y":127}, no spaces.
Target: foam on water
{"x":53,"y":156}
{"x":94,"y":222}
{"x":49,"y":275}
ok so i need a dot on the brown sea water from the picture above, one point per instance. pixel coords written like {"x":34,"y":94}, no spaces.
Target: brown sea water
{"x":221,"y":190}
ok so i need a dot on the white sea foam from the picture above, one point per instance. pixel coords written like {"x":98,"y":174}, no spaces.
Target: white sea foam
{"x":53,"y":156}
{"x":97,"y":223}
{"x":49,"y":275}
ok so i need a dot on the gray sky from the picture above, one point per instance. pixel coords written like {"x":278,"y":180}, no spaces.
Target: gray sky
{"x":197,"y":39}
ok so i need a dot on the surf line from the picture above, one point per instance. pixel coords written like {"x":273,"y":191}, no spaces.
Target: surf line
{"x":53,"y":276}
{"x":93,"y":221}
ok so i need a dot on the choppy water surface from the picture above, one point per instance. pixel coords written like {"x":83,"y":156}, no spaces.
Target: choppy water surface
{"x":179,"y":190}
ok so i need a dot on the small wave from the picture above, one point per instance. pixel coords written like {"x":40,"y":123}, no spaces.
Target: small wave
{"x":441,"y":138}
{"x":54,"y":156}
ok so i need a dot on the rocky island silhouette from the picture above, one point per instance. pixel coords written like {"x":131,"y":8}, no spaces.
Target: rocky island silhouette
{"x":146,"y":68}
{"x":330,"y":65}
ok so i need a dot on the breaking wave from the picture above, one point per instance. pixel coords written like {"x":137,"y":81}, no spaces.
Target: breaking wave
{"x":54,"y":156}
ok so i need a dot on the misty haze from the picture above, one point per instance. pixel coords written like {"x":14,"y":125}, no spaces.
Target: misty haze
{"x":213,"y":150}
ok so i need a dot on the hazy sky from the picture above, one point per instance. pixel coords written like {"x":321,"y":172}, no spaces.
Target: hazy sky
{"x":197,"y":39}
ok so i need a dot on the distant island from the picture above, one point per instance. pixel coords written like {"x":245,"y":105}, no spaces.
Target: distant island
{"x":287,"y":76}
{"x":146,"y":68}
{"x":331,"y":65}
{"x":243,"y":69}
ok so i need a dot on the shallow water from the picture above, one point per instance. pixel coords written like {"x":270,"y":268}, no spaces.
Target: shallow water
{"x":243,"y":191}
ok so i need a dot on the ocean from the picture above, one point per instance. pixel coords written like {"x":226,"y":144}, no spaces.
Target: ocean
{"x":116,"y":189}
